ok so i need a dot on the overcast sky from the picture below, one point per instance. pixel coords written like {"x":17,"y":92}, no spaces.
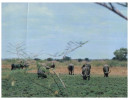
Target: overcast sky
{"x":49,"y":26}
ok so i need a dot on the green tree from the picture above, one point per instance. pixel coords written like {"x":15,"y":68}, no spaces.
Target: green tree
{"x":37,"y":59}
{"x":49,"y":59}
{"x":120,"y":54}
{"x":79,"y":60}
{"x":66,"y":58}
{"x":86,"y":59}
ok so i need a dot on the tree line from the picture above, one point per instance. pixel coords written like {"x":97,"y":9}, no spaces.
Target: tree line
{"x":120,"y":54}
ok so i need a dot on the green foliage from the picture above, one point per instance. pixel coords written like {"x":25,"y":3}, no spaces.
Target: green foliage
{"x":49,"y":59}
{"x":42,"y":68}
{"x":79,"y":60}
{"x":97,"y":86}
{"x":59,"y":60}
{"x":66,"y":58}
{"x":86,"y":59}
{"x":37,"y":59}
{"x":120,"y":54}
{"x":18,"y":84}
{"x":38,"y":65}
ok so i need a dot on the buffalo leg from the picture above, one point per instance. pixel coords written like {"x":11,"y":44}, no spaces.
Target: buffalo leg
{"x":84,"y":77}
{"x":73,"y":72}
{"x":88,"y":77}
{"x":106,"y":75}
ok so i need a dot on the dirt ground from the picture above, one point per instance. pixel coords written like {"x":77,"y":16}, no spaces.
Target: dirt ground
{"x":115,"y":71}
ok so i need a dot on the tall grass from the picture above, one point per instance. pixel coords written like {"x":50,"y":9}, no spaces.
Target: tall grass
{"x":95,"y":63}
{"x":112,"y":63}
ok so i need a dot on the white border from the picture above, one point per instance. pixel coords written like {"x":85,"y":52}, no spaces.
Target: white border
{"x":66,"y":1}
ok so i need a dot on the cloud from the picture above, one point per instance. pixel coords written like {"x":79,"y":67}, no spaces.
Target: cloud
{"x":9,"y":9}
{"x":39,"y":11}
{"x":14,"y":15}
{"x":52,"y":25}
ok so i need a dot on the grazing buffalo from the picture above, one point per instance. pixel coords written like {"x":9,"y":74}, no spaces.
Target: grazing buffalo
{"x":49,"y":66}
{"x":71,"y":69}
{"x":86,"y":71}
{"x":18,"y":66}
{"x":26,"y":65}
{"x":41,"y":73}
{"x":106,"y":70}
{"x":88,"y":65}
{"x":52,"y":66}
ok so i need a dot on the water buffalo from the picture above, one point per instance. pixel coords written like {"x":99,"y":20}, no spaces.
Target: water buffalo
{"x":71,"y":69}
{"x":106,"y":70}
{"x":18,"y":66}
{"x":88,"y":65}
{"x":86,"y":71}
{"x":52,"y":66}
{"x":49,"y":66}
{"x":41,"y":73}
{"x":26,"y":65}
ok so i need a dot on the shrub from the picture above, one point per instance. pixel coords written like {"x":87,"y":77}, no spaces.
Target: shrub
{"x":49,"y":59}
{"x":66,"y":58}
{"x":120,"y":54}
{"x":79,"y":60}
{"x":86,"y":59}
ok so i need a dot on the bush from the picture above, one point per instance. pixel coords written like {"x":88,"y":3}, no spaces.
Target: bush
{"x":86,"y":59}
{"x":66,"y":58}
{"x":49,"y":59}
{"x":37,"y":59}
{"x":79,"y":60}
{"x":120,"y":54}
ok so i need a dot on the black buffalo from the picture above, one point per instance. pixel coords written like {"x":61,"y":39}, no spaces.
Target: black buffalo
{"x":49,"y":66}
{"x":52,"y":66}
{"x":26,"y":65}
{"x":86,"y":71}
{"x":106,"y":70}
{"x":41,"y":73}
{"x":71,"y":69}
{"x":88,"y":65}
{"x":18,"y":66}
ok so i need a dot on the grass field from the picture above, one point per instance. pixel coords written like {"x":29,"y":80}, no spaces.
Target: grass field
{"x":24,"y":83}
{"x":19,"y":84}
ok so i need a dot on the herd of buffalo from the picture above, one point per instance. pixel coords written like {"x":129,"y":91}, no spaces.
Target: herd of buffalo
{"x":86,"y":69}
{"x":19,"y":66}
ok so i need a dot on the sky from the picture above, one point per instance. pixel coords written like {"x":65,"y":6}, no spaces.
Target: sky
{"x":48,"y":27}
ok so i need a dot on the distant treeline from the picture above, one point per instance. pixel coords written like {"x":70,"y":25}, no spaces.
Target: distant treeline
{"x":61,"y":62}
{"x":66,"y":58}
